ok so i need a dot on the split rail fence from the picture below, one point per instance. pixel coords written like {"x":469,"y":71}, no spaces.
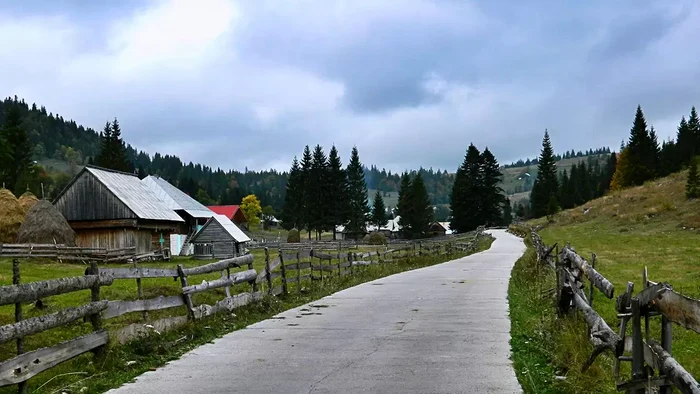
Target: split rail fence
{"x":653,"y":366}
{"x":290,"y":266}
{"x":67,"y":253}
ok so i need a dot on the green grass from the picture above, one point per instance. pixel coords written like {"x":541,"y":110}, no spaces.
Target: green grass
{"x":651,"y":225}
{"x":156,"y":350}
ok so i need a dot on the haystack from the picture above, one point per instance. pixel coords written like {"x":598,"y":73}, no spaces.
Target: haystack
{"x":27,"y":200}
{"x":45,"y":225}
{"x":11,"y":216}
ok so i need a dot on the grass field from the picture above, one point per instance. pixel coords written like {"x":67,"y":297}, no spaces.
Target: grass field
{"x":511,"y":175}
{"x":652,"y":225}
{"x":81,"y":374}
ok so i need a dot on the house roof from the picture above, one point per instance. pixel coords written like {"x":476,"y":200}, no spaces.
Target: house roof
{"x":227,"y":225}
{"x":128,"y":189}
{"x":175,"y":198}
{"x":392,"y":226}
{"x":226,"y":210}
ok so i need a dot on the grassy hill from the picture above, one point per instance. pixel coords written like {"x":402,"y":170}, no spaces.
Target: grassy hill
{"x":653,"y":225}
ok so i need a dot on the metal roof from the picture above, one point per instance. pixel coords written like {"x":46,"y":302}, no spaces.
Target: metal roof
{"x":228,"y":226}
{"x":135,"y":195}
{"x":175,"y":198}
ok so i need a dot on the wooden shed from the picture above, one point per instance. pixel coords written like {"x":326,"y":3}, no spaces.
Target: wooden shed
{"x":112,"y":209}
{"x":220,"y":238}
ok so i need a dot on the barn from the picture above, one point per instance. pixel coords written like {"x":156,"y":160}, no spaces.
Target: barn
{"x":219,"y":238}
{"x":233,"y":212}
{"x":112,"y":209}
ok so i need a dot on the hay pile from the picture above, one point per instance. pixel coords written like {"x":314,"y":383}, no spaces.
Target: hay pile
{"x":11,"y":216}
{"x":27,"y":200}
{"x":45,"y":225}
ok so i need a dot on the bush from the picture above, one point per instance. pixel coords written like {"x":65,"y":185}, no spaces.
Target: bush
{"x":293,"y":236}
{"x":376,"y":238}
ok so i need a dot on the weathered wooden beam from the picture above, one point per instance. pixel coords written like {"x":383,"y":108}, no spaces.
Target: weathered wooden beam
{"x":679,"y":309}
{"x":140,"y":330}
{"x":228,"y":304}
{"x":27,"y":365}
{"x":683,"y":380}
{"x":594,"y":276}
{"x":38,"y":324}
{"x":219,"y":265}
{"x":324,"y":256}
{"x":238,"y":277}
{"x":118,"y":308}
{"x":273,"y":265}
{"x":140,"y":272}
{"x":33,"y":291}
{"x":326,"y":268}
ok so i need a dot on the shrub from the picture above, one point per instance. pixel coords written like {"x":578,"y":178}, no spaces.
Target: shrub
{"x":293,"y":236}
{"x":376,"y":238}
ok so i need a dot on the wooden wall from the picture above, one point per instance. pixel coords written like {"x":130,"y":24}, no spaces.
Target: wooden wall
{"x":88,"y":199}
{"x":115,"y":238}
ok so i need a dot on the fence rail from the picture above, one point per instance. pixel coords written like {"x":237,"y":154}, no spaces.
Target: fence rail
{"x":652,"y":362}
{"x":63,"y":252}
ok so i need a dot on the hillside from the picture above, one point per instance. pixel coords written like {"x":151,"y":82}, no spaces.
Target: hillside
{"x":652,"y":225}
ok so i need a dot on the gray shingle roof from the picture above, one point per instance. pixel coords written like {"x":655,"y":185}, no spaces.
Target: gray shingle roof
{"x":135,"y":194}
{"x":175,"y":198}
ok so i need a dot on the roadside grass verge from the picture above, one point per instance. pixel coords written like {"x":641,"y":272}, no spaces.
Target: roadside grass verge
{"x":124,"y":362}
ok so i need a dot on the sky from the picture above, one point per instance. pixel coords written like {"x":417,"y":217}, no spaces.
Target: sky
{"x":411,"y":83}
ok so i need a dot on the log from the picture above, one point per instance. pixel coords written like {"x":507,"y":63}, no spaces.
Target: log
{"x":38,"y":324}
{"x":678,"y":308}
{"x":219,"y":265}
{"x":238,"y":277}
{"x":289,"y":255}
{"x":36,"y":290}
{"x":327,"y":268}
{"x":139,"y":330}
{"x":27,"y":365}
{"x":140,"y":272}
{"x":118,"y":308}
{"x":324,"y":256}
{"x":298,"y":266}
{"x":683,"y":380}
{"x":594,"y":276}
{"x":228,"y":304}
{"x":273,"y":265}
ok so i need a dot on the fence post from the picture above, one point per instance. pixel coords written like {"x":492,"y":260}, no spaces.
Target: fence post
{"x":666,"y":338}
{"x":187,"y":297}
{"x":253,"y":282}
{"x":139,"y":290}
{"x":284,"y":273}
{"x":298,"y":270}
{"x":590,"y":291}
{"x":420,"y":248}
{"x":268,"y":274}
{"x":637,"y":342}
{"x":21,"y":386}
{"x":96,"y":319}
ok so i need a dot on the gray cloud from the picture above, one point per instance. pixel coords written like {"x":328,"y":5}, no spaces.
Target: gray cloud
{"x":410,"y":82}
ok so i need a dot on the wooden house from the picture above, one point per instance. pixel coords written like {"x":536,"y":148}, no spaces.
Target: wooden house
{"x":437,"y":229}
{"x":233,"y":212}
{"x":112,"y":209}
{"x":190,"y":210}
{"x":219,"y":238}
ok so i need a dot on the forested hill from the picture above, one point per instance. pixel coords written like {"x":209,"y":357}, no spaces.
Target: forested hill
{"x":61,"y":146}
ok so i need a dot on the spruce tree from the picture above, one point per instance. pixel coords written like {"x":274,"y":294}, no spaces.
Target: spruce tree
{"x":404,"y":207}
{"x":18,"y":151}
{"x":293,"y":198}
{"x":507,"y":213}
{"x":608,"y":172}
{"x":694,"y":130}
{"x":318,"y":190}
{"x":641,"y":152}
{"x":422,"y":212}
{"x":692,"y":186}
{"x":491,"y":193}
{"x":655,"y":152}
{"x":685,"y":143}
{"x":565,"y":197}
{"x":379,"y":215}
{"x":357,"y":196}
{"x":307,"y":212}
{"x":546,"y":184}
{"x":337,"y":196}
{"x":465,"y":200}
{"x":105,"y":157}
{"x":670,"y":161}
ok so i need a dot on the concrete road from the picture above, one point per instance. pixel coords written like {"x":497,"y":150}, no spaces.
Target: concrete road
{"x":441,"y":329}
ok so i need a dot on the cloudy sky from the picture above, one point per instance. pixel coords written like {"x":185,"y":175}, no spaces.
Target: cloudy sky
{"x":410,"y":82}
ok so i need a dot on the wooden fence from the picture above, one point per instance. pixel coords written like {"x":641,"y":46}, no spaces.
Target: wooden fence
{"x":291,"y":266}
{"x":652,"y":363}
{"x":63,"y":252}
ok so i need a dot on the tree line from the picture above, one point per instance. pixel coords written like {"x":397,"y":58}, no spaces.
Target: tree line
{"x":477,"y":199}
{"x":567,"y":155}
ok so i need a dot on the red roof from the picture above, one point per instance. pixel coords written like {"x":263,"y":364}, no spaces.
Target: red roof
{"x":226,"y":210}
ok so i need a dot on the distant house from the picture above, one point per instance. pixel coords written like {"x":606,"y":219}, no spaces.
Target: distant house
{"x":190,"y":210}
{"x":219,"y":238}
{"x":233,"y":212}
{"x":390,"y":229}
{"x":112,"y":209}
{"x":437,"y":229}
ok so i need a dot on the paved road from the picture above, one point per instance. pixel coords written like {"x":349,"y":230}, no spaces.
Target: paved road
{"x":441,"y":329}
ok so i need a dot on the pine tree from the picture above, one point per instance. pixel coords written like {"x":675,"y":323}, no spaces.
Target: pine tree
{"x":655,"y":152}
{"x":507,"y":213}
{"x":318,"y":183}
{"x":621,"y":176}
{"x":18,"y":152}
{"x":404,"y":207}
{"x":491,"y":194}
{"x":105,"y":157}
{"x":607,"y":173}
{"x":692,"y":186}
{"x":685,"y":143}
{"x":120,"y":162}
{"x":641,"y":152}
{"x":422,"y":212}
{"x":465,"y":200}
{"x":546,"y":185}
{"x":307,"y":213}
{"x":565,"y":197}
{"x":379,"y":215}
{"x":694,"y":130}
{"x":293,"y":198}
{"x":357,"y":196}
{"x":669,"y":160}
{"x":337,"y":196}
